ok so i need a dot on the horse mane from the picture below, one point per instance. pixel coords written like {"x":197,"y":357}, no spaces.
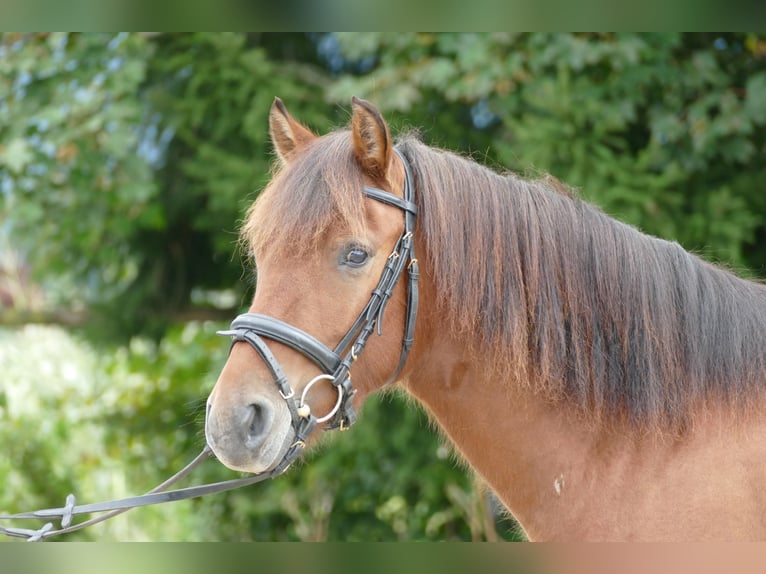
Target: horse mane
{"x":562,"y":297}
{"x":581,"y":306}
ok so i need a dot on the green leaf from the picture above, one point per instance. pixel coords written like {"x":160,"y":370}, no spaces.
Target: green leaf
{"x":755,"y":98}
{"x":16,"y":155}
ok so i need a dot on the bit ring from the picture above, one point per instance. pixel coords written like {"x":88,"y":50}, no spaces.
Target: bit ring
{"x":311,"y":383}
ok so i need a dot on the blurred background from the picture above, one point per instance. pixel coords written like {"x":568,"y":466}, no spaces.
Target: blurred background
{"x":127,"y":161}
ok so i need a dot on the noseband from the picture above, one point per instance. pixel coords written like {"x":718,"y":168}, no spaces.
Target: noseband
{"x":336,"y":363}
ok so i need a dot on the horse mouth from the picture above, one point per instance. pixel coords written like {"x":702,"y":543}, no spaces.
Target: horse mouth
{"x":255,"y":461}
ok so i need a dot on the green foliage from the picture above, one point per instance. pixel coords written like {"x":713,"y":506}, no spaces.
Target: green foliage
{"x":127,"y":161}
{"x":74,"y":188}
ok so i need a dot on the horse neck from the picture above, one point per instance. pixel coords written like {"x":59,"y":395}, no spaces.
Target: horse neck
{"x":522,"y":448}
{"x":565,"y":478}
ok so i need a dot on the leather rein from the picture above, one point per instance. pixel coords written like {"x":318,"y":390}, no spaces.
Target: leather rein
{"x":335,"y":365}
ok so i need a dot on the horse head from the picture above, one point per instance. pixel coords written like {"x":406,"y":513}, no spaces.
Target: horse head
{"x":330,"y":241}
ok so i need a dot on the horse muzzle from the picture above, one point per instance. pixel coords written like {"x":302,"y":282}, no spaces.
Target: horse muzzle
{"x":249,"y":434}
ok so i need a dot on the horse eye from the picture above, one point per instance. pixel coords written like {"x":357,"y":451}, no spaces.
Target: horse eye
{"x":356,"y":257}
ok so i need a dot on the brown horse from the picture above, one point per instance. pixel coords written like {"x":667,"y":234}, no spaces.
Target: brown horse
{"x":605,"y":384}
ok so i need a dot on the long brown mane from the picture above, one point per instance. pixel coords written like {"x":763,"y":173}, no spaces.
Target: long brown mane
{"x":591,"y":309}
{"x":586,"y":308}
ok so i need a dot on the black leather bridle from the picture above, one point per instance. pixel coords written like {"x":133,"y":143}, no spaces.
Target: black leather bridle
{"x":335,"y":365}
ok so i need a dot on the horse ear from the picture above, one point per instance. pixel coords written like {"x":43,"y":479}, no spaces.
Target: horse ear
{"x":287,"y":134}
{"x":371,"y":138}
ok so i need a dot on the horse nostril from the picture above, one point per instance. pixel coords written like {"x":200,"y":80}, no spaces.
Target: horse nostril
{"x":257,"y":422}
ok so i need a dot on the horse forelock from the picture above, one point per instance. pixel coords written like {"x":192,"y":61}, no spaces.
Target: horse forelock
{"x":319,"y":190}
{"x":583,"y":307}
